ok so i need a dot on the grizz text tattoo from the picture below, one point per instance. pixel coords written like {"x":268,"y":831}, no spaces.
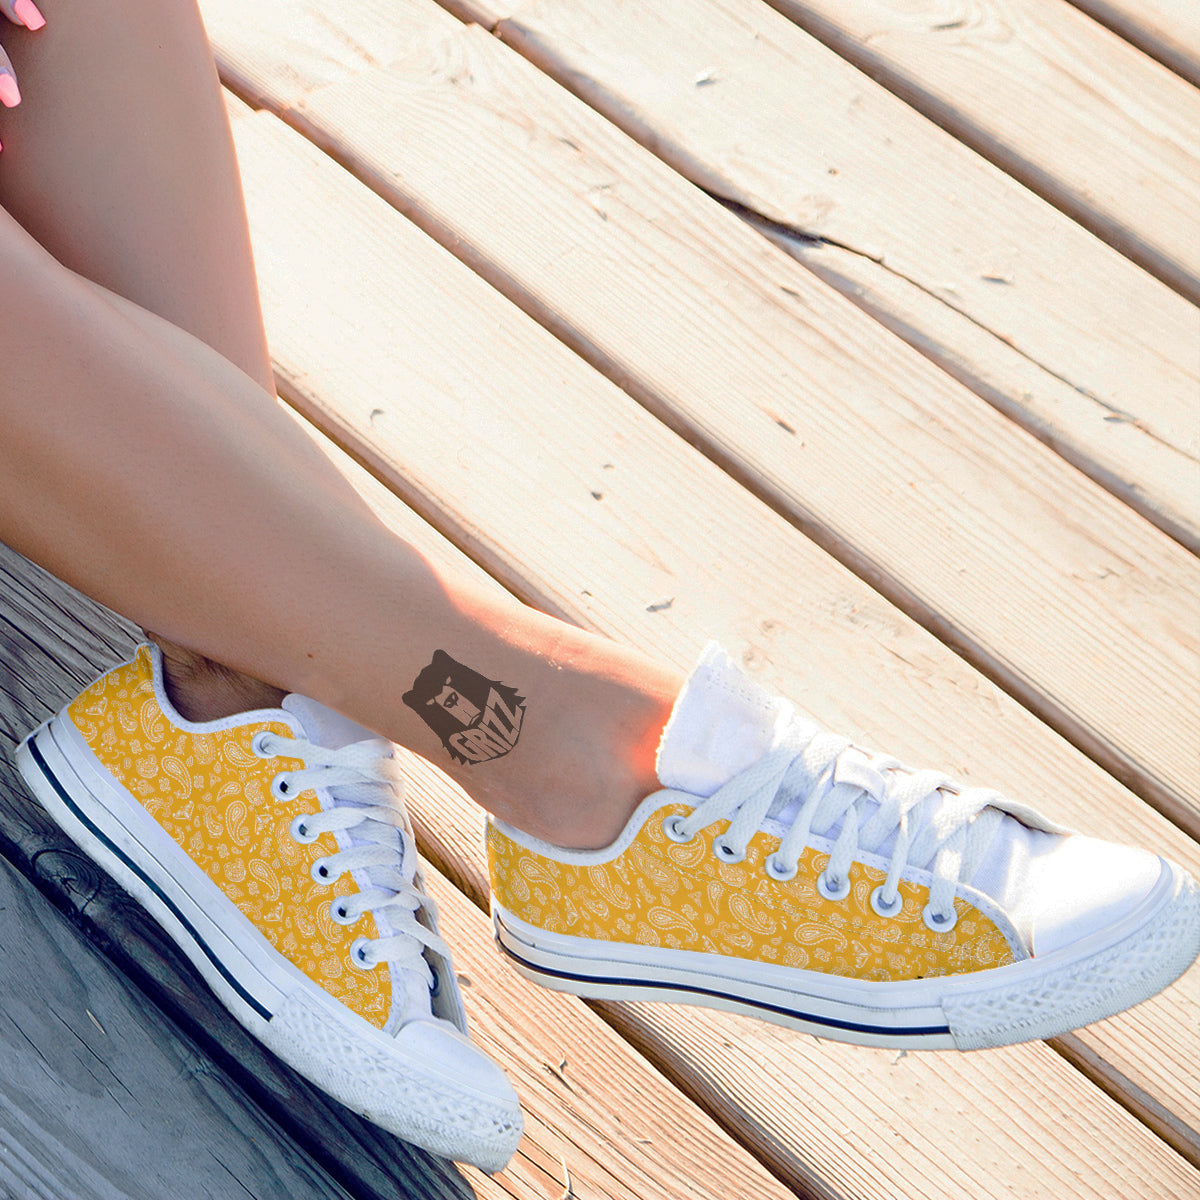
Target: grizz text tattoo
{"x":476,"y":718}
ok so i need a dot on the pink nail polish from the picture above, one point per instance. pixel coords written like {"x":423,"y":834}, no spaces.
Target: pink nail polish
{"x":28,"y":15}
{"x":10,"y":94}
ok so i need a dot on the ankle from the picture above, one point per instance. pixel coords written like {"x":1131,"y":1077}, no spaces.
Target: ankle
{"x":203,"y":690}
{"x":597,"y":771}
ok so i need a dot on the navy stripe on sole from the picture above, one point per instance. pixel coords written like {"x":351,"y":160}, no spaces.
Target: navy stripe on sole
{"x":118,"y":853}
{"x":741,"y":1001}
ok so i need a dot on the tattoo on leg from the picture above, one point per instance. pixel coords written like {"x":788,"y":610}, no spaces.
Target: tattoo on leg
{"x":476,"y":718}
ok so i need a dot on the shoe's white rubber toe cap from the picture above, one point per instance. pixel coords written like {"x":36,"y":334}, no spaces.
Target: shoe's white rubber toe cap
{"x":1079,"y":886}
{"x":452,"y":1055}
{"x":427,"y":1083}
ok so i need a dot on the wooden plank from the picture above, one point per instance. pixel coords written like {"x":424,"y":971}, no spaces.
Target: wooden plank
{"x":453,"y":397}
{"x":1010,"y":555}
{"x":103,"y":1099}
{"x":52,"y":643}
{"x":1169,"y":30}
{"x":1059,"y":102}
{"x":999,"y":288}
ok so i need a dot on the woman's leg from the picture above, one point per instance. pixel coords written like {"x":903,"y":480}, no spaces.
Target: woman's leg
{"x":122,"y":165}
{"x":120,"y":162}
{"x":150,"y":471}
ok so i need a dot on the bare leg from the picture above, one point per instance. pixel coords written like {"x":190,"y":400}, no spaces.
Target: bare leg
{"x":150,"y":471}
{"x":121,"y":164}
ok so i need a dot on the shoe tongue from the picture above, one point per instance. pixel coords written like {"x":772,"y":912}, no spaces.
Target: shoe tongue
{"x":722,"y":722}
{"x":322,"y":726}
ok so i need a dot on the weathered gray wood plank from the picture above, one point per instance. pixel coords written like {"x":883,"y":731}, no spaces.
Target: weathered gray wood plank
{"x":101,"y":1098}
{"x":52,"y":642}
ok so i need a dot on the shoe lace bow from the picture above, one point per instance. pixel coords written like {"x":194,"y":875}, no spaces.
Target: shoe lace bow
{"x":363,"y":781}
{"x":816,"y":783}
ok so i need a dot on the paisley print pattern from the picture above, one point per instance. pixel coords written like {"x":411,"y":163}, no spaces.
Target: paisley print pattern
{"x":212,"y":794}
{"x":680,"y":896}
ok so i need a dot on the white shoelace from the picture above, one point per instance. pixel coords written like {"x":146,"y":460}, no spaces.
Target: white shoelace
{"x":817,"y":783}
{"x":362,"y":779}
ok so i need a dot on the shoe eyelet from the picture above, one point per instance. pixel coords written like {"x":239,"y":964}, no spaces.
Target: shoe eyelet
{"x":300,"y":830}
{"x":727,"y":853}
{"x":360,"y":956}
{"x":672,"y":827}
{"x":833,"y":889}
{"x":939,"y":922}
{"x":320,"y":871}
{"x":777,"y":869}
{"x":258,"y":744}
{"x":281,"y":788}
{"x":338,"y":913}
{"x":882,"y":908}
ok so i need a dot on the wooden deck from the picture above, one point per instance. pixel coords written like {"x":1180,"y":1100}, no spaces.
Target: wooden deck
{"x":858,"y":334}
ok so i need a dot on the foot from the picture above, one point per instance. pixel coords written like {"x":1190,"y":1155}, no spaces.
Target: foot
{"x":784,"y":873}
{"x":274,"y":847}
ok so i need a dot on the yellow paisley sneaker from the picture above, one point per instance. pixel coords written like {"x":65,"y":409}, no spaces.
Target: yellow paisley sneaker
{"x":784,"y":873}
{"x":274,"y":848}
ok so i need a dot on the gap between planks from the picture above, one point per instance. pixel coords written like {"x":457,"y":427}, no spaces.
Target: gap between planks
{"x":1050,"y":96}
{"x":1168,"y":30}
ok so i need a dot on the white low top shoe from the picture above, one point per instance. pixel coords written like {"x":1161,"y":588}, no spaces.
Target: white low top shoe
{"x":273,"y":846}
{"x":783,"y":872}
